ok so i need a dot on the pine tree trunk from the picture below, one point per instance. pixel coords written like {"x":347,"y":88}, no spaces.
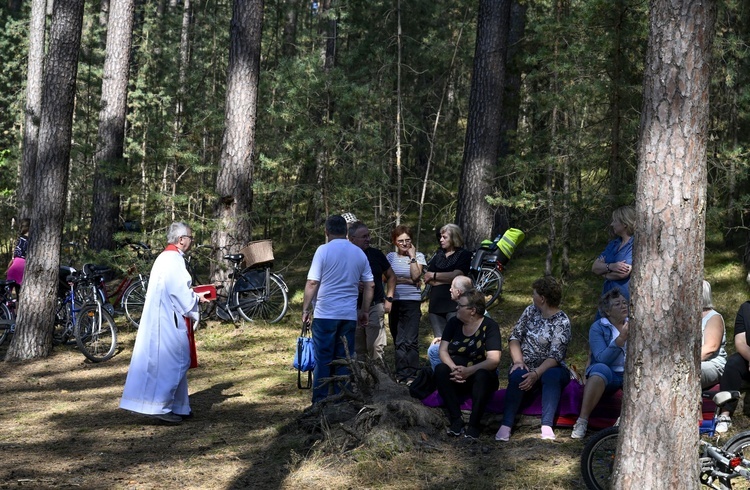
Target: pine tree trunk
{"x":661,"y":407}
{"x":289,"y":46}
{"x":616,"y":161}
{"x":184,"y":61}
{"x":36,"y":308}
{"x":552,"y":234}
{"x":511,"y":108}
{"x":397,"y":132}
{"x":234,"y":182}
{"x":34,"y":71}
{"x":111,"y":136}
{"x":482,"y":144}
{"x":327,"y":29}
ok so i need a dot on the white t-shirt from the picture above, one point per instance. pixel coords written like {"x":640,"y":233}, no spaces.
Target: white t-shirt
{"x":339,"y":266}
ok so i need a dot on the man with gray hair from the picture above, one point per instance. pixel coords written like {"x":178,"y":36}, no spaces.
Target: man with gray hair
{"x":156,"y":385}
{"x":370,"y":339}
{"x":332,"y":289}
{"x":459,"y":286}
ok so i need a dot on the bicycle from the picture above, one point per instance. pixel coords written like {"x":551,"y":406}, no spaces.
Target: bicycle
{"x":132,"y":275}
{"x":263,"y":294}
{"x":487,"y":273}
{"x":255,"y":292}
{"x":7,"y":309}
{"x":90,"y":325}
{"x":718,"y":466}
{"x":134,"y":297}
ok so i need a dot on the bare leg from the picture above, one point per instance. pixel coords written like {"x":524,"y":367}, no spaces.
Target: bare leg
{"x":592,"y":393}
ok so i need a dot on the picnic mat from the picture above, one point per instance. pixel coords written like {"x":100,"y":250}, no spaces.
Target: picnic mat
{"x":604,"y":415}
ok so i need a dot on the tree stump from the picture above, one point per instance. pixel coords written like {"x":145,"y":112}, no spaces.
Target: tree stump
{"x":372,"y":410}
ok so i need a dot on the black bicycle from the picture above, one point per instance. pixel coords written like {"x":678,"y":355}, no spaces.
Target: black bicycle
{"x":8,"y":296}
{"x":719,"y":466}
{"x":81,"y":316}
{"x":253,"y":293}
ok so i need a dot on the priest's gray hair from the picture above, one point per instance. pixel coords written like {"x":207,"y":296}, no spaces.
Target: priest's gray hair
{"x":176,"y":230}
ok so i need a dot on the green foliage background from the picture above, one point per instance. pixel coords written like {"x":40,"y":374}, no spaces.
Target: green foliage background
{"x":326,"y":138}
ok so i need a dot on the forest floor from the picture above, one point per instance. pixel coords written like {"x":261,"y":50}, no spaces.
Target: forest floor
{"x":60,"y":425}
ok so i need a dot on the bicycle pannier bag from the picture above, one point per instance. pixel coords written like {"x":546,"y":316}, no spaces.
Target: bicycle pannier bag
{"x":304,"y":357}
{"x":250,"y":281}
{"x":508,"y":243}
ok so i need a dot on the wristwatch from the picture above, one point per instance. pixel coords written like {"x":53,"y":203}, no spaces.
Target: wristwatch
{"x":413,"y":260}
{"x":389,"y":299}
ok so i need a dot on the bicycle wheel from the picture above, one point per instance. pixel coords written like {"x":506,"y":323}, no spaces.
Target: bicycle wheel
{"x":255,"y":305}
{"x":63,"y":329}
{"x":133,"y":300}
{"x":96,"y":334}
{"x":490,"y":282}
{"x":5,"y":314}
{"x":739,"y":445}
{"x":598,"y":459}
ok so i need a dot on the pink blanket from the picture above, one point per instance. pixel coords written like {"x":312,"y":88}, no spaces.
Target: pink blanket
{"x":604,"y":415}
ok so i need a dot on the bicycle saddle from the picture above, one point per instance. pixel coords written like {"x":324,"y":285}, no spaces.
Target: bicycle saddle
{"x":65,"y":271}
{"x":236,"y":258}
{"x":94,"y":270}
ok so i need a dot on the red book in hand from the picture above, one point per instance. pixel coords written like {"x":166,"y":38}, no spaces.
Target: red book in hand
{"x":210,"y":288}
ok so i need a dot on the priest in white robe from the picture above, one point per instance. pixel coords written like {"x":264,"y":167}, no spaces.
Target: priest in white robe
{"x":157,"y":379}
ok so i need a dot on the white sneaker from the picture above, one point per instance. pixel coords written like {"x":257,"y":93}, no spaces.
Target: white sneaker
{"x":579,"y":430}
{"x":724,"y":424}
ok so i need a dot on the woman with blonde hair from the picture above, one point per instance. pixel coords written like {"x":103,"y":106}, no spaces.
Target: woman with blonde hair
{"x":616,"y":262}
{"x":449,"y":262}
{"x":714,"y":339}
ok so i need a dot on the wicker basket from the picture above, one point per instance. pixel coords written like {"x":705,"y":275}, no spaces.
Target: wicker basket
{"x":257,"y":252}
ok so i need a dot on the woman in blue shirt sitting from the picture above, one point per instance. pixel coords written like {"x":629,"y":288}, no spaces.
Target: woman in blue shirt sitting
{"x":607,"y":341}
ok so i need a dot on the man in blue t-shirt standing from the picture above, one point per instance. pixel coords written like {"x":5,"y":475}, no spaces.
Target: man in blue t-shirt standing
{"x":331,"y":299}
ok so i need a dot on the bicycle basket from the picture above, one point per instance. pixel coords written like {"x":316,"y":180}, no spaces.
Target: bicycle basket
{"x":251,"y":281}
{"x":257,"y":252}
